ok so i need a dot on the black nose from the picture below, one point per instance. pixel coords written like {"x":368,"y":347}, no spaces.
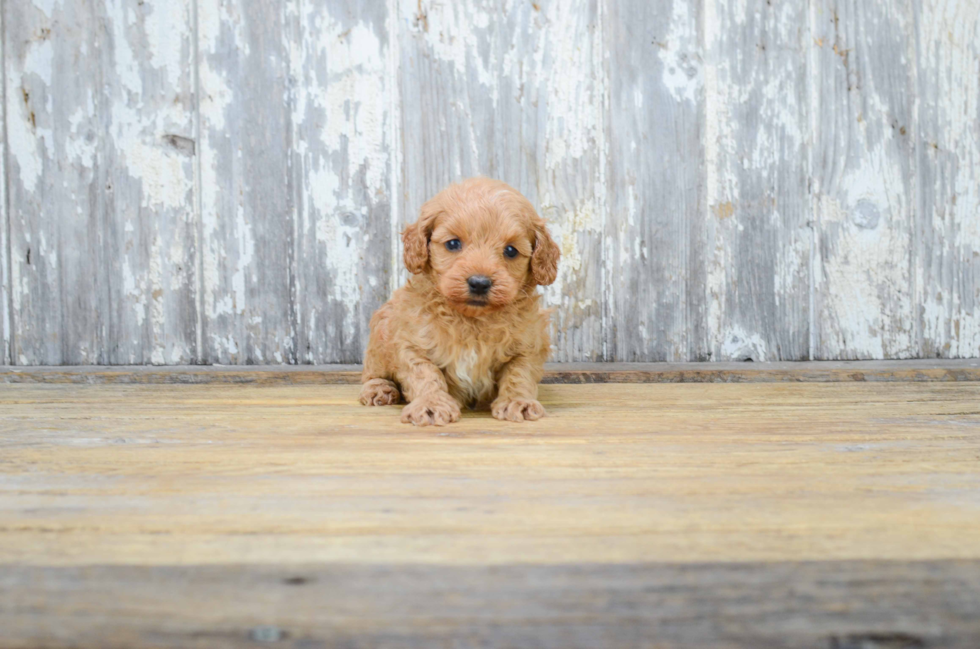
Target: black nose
{"x":479,"y":284}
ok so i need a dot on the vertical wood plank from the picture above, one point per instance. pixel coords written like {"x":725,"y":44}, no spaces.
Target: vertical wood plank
{"x":247,"y":214}
{"x":101,"y":188}
{"x":150,"y":218}
{"x":512,"y":90}
{"x":5,"y":326}
{"x":340,"y":158}
{"x":549,"y":143}
{"x":56,"y":181}
{"x":947,"y":233}
{"x":756,"y":180}
{"x":863,"y":178}
{"x":655,"y":231}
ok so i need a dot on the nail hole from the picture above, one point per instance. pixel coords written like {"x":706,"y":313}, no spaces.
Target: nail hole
{"x":877,"y":641}
{"x":267,"y":634}
{"x":184,"y":145}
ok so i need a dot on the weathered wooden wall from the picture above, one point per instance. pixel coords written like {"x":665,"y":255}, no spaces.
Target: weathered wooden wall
{"x":223,"y":181}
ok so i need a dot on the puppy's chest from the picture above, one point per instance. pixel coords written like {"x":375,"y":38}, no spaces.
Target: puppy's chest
{"x":471,"y":372}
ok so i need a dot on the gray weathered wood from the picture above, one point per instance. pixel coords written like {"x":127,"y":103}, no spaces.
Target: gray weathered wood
{"x":836,"y":604}
{"x":247,"y":212}
{"x":757,"y":244}
{"x":56,"y":182}
{"x":5,"y":325}
{"x":513,"y":90}
{"x":863,"y":178}
{"x":224,"y":180}
{"x":100,"y":108}
{"x":150,"y":219}
{"x":655,"y":230}
{"x":947,"y":232}
{"x":340,"y":95}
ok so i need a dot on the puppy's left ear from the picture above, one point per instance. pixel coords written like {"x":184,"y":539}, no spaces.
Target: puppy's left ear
{"x":544,"y":259}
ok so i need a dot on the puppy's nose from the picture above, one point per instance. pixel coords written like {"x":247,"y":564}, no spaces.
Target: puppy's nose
{"x":479,"y":284}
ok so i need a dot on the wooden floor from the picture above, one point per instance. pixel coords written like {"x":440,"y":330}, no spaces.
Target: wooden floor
{"x":832,"y":515}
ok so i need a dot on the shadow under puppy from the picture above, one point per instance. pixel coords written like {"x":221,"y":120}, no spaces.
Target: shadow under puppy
{"x":467,"y":329}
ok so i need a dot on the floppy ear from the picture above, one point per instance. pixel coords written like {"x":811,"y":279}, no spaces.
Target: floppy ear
{"x":415,"y":238}
{"x":544,"y":259}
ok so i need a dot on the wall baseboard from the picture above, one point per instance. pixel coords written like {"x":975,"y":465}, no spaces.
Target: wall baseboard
{"x":783,"y":372}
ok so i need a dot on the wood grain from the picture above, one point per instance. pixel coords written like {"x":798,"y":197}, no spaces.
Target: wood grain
{"x":148,"y":238}
{"x":100,"y":102}
{"x":947,"y":232}
{"x":55,"y":182}
{"x":247,"y":213}
{"x":824,"y":515}
{"x":341,"y":169}
{"x":171,"y":474}
{"x":842,"y":605}
{"x":655,"y":232}
{"x":863,"y":179}
{"x":756,"y":129}
{"x":6,"y":328}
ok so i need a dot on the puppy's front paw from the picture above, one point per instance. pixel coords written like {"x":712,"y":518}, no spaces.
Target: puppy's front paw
{"x":379,"y":392}
{"x":431,"y":410}
{"x":517,"y":409}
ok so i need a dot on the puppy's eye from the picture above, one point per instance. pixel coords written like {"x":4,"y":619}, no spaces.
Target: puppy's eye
{"x":454,"y":245}
{"x":510,"y":252}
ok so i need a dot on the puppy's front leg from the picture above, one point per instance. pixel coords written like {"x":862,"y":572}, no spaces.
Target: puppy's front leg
{"x":428,"y":394}
{"x":517,"y":391}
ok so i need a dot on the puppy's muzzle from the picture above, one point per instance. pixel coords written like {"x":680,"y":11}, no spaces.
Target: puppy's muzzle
{"x":479,"y":285}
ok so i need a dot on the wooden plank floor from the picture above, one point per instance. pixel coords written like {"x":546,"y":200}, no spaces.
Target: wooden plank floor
{"x":837,"y":515}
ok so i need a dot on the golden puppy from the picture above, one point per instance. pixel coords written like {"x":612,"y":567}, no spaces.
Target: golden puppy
{"x":467,"y":328}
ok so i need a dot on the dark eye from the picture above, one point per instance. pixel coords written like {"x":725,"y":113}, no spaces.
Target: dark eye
{"x":510,"y":251}
{"x":454,"y":244}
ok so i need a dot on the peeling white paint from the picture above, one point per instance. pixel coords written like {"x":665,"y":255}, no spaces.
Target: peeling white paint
{"x":454,"y":32}
{"x":78,"y":147}
{"x":6,"y":281}
{"x":345,"y":95}
{"x":948,"y":292}
{"x":876,"y":296}
{"x":740,"y":345}
{"x":216,"y":100}
{"x":720,"y":179}
{"x":23,"y":134}
{"x":166,"y":34}
{"x":678,"y":52}
{"x":47,"y":6}
{"x":245,"y":255}
{"x":863,"y":205}
{"x":138,"y":140}
{"x":398,"y":273}
{"x":570,"y":129}
{"x":39,"y":60}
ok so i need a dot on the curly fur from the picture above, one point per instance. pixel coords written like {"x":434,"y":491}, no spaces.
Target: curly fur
{"x":432,"y":344}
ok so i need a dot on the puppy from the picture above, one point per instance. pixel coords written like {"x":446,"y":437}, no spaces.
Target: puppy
{"x":467,"y":329}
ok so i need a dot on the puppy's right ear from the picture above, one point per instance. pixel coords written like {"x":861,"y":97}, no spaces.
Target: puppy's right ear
{"x":415,"y":238}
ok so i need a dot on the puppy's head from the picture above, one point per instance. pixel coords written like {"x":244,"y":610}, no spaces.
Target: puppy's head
{"x":483,"y":244}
